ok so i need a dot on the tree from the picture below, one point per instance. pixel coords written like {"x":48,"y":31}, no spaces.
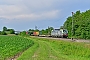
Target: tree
{"x":31,"y":30}
{"x":81,"y":26}
{"x":50,"y":29}
{"x":4,"y":28}
{"x":23,"y":33}
{"x":61,"y":27}
{"x":0,"y":32}
{"x":12,"y":31}
{"x":3,"y":33}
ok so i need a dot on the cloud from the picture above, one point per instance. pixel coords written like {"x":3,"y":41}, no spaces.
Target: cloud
{"x":28,"y":9}
{"x":9,"y":9}
{"x":34,"y":9}
{"x":33,"y":16}
{"x":47,"y":14}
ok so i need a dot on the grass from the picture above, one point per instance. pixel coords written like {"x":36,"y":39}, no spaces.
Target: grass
{"x":48,"y":49}
{"x":12,"y":45}
{"x":42,"y":52}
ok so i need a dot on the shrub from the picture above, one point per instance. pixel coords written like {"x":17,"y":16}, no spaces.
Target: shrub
{"x":3,"y":33}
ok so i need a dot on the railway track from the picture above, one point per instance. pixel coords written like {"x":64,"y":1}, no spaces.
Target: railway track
{"x":65,"y":39}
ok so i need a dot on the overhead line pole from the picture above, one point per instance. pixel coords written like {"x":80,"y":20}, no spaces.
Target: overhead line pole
{"x":72,"y":25}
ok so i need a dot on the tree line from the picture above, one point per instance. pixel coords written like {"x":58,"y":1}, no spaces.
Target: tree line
{"x":81,"y":25}
{"x":6,"y":31}
{"x":46,"y":31}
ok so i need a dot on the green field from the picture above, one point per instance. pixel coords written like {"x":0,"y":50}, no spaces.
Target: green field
{"x":42,"y":49}
{"x":47,"y":49}
{"x":12,"y":45}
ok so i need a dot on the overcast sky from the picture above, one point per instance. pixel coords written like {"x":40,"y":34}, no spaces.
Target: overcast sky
{"x":26,"y":14}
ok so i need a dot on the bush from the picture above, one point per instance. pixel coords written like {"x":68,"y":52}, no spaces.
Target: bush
{"x":0,"y":32}
{"x":23,"y":33}
{"x":3,"y":33}
{"x":12,"y":31}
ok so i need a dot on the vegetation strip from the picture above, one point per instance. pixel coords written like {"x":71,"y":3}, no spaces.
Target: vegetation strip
{"x":49,"y":49}
{"x":81,"y":25}
{"x":43,"y":52}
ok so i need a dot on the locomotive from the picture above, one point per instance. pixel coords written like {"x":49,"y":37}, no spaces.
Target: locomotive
{"x":63,"y":33}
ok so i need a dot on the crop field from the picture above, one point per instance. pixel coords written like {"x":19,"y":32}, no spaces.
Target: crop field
{"x":49,"y":49}
{"x":12,"y":45}
{"x":33,"y":48}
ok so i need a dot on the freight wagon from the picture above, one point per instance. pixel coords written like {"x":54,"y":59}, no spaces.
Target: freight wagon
{"x":35,"y":34}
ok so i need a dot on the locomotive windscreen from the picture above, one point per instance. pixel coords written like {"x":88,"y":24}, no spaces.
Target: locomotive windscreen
{"x":65,"y":31}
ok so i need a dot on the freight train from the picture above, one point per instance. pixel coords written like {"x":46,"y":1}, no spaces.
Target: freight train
{"x":62,"y":33}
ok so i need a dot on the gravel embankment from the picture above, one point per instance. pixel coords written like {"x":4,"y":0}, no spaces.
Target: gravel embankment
{"x":74,"y":40}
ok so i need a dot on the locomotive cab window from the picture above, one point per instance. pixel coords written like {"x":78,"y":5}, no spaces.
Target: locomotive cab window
{"x":65,"y":31}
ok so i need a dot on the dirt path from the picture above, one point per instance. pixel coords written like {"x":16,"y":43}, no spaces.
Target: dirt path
{"x":44,"y":52}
